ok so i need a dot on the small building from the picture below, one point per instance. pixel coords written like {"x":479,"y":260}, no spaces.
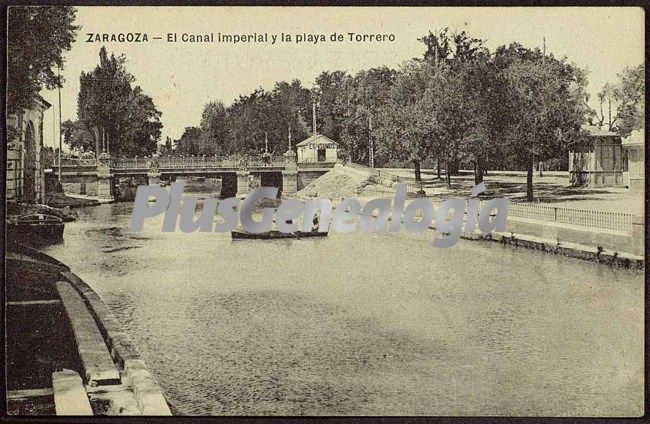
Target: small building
{"x":317,"y":148}
{"x":25,"y":159}
{"x":601,"y":162}
{"x":634,"y":144}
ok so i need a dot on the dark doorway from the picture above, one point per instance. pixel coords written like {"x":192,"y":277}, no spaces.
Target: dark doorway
{"x":320,"y":155}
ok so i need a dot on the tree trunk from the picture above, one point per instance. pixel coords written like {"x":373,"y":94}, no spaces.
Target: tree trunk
{"x":448,"y":172}
{"x":529,"y":180}
{"x":418,"y":176}
{"x":438,"y":163}
{"x":416,"y":167}
{"x":453,"y":165}
{"x":478,"y":172}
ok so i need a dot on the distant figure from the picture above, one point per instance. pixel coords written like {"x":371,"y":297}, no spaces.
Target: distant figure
{"x":314,"y":227}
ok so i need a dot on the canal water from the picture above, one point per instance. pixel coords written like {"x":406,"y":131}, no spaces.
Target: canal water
{"x":365,"y":324}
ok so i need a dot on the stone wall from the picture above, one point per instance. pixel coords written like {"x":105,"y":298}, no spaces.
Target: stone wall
{"x":612,"y":240}
{"x":27,"y":158}
{"x":306,"y":177}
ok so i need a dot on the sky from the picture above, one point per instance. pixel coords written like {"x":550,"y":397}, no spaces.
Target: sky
{"x":182,"y":77}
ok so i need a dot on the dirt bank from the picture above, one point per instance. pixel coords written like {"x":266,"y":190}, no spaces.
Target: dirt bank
{"x":343,"y":181}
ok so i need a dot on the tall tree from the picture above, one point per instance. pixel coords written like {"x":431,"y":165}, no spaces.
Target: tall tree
{"x":333,"y":102}
{"x":402,"y":130}
{"x":37,"y":37}
{"x":630,"y":96}
{"x":290,"y":112}
{"x":451,"y":53}
{"x":77,"y":136}
{"x":367,"y":91}
{"x":122,"y":118}
{"x":215,"y":125}
{"x":546,"y":106}
{"x":597,"y":116}
{"x":250,"y":120}
{"x":190,"y":142}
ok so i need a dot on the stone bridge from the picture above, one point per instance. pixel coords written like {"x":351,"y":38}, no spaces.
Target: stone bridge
{"x":101,"y":177}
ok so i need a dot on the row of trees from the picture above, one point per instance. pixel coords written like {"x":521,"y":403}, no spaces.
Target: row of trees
{"x":244,"y":127}
{"x":458,"y":104}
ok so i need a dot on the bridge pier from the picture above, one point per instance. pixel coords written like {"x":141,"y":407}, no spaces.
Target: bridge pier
{"x":243,"y":183}
{"x":105,"y":190}
{"x":290,"y":175}
{"x":289,"y":183}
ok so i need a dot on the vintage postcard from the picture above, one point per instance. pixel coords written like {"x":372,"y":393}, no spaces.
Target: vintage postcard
{"x":332,"y":211}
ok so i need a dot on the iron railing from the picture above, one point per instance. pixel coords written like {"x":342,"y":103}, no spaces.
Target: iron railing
{"x":177,"y":162}
{"x":581,"y":217}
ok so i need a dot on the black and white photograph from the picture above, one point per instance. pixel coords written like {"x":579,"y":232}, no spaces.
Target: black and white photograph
{"x":324,"y":211}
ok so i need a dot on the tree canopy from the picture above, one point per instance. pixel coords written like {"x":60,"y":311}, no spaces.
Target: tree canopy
{"x":630,"y":95}
{"x":37,"y":38}
{"x":113,"y":114}
{"x":458,"y":105}
{"x":624,"y":102}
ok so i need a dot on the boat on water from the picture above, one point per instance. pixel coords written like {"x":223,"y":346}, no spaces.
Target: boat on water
{"x":275,"y":234}
{"x":35,"y":229}
{"x":66,"y":354}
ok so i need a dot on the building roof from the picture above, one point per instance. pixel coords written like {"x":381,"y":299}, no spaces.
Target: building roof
{"x":317,"y":139}
{"x":45,"y":103}
{"x":595,"y":131}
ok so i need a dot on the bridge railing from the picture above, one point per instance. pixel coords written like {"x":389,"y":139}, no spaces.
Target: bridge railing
{"x":129,"y":163}
{"x":171,"y":163}
{"x":74,"y":162}
{"x":197,"y":162}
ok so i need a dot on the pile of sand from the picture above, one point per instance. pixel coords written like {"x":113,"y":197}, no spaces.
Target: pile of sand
{"x":343,"y":181}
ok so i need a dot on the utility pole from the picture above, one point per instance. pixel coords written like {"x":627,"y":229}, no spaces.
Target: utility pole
{"x":60,"y":135}
{"x":313,"y":115}
{"x":54,"y":130}
{"x":371,"y":153}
